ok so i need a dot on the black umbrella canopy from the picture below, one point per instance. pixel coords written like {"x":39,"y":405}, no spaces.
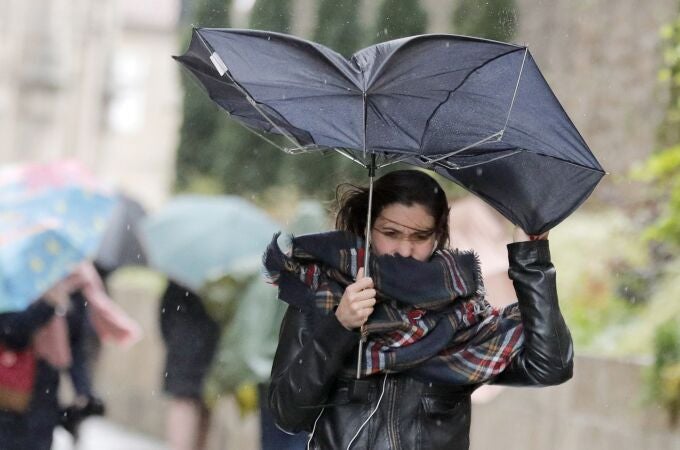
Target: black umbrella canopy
{"x":478,"y":112}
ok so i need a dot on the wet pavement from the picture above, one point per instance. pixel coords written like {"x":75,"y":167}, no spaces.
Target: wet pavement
{"x":102,"y":434}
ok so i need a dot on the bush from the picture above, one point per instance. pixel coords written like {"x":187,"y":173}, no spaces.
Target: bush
{"x":663,"y":377}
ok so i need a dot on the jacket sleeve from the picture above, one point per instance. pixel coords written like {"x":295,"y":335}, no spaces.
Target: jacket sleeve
{"x":547,"y":354}
{"x":305,"y":367}
{"x":17,"y":328}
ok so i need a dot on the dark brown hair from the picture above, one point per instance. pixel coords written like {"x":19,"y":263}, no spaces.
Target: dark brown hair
{"x":405,"y":187}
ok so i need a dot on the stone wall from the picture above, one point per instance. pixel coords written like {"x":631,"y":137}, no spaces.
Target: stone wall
{"x":601,"y":408}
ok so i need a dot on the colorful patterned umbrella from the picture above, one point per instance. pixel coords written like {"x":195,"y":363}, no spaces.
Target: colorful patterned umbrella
{"x":52,"y":217}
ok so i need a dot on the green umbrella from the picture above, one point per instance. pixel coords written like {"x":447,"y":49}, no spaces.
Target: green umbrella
{"x":197,"y":238}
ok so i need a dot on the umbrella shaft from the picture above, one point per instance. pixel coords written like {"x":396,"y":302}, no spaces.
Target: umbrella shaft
{"x":368,"y":227}
{"x":367,"y":234}
{"x":371,"y":175}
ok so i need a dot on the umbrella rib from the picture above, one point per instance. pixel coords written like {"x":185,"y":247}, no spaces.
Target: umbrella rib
{"x":252,"y":130}
{"x":350,"y":157}
{"x":451,"y":165}
{"x":243,"y":91}
{"x":497,"y":134}
{"x":395,"y":161}
{"x":514,"y":94}
{"x":298,"y":149}
{"x":425,"y":159}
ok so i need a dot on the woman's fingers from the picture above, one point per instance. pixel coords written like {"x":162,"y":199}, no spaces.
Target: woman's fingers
{"x":361,"y":295}
{"x":363,"y":283}
{"x":368,"y":303}
{"x":357,"y":302}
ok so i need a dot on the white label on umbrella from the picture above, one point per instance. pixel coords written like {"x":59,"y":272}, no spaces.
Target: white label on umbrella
{"x":218,"y":63}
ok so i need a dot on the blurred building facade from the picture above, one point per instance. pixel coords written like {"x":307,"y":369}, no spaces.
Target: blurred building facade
{"x":93,"y":81}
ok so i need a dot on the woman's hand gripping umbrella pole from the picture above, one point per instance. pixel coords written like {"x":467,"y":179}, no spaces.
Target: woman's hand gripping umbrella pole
{"x":359,"y":297}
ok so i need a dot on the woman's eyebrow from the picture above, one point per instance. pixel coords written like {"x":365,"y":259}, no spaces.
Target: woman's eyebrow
{"x":418,"y":230}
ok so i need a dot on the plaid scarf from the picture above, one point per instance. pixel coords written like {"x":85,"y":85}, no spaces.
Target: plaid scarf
{"x":431,"y":318}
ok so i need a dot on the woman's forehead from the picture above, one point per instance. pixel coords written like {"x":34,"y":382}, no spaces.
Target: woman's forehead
{"x":412,"y":217}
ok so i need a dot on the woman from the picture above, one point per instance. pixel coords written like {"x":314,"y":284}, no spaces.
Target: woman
{"x":430,"y":337}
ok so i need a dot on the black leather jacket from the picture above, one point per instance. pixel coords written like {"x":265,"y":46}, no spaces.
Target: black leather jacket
{"x":311,"y":389}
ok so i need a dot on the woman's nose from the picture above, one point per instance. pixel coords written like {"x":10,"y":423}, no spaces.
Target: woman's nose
{"x":405,"y":248}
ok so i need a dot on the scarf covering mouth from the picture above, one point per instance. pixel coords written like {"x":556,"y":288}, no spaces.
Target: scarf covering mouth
{"x":431,"y":318}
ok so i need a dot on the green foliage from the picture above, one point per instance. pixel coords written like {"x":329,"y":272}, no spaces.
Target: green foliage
{"x":669,"y":131}
{"x":492,"y":19}
{"x":272,"y":15}
{"x":590,"y":282}
{"x":663,"y":168}
{"x":337,"y":26}
{"x":248,"y":164}
{"x":198,"y":146}
{"x":663,"y":377}
{"x":400,"y":18}
{"x":593,"y":310}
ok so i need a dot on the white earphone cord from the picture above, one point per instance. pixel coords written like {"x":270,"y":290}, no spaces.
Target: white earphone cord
{"x":356,"y":435}
{"x":382,"y":393}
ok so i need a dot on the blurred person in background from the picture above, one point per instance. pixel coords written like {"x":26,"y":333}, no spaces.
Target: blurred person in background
{"x":85,"y":347}
{"x":190,"y":337}
{"x":40,"y":335}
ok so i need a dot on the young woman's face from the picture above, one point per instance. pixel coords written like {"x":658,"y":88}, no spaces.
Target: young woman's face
{"x":408,"y":231}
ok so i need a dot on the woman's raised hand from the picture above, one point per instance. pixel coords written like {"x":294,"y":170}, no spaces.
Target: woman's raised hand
{"x":357,"y":302}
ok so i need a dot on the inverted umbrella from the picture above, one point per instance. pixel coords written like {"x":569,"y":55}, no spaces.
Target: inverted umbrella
{"x":48,"y":224}
{"x":197,"y":238}
{"x":478,"y":112}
